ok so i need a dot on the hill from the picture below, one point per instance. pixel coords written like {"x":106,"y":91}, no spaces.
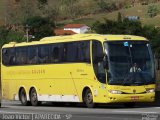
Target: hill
{"x":88,"y":11}
{"x":137,"y":10}
{"x":2,"y":8}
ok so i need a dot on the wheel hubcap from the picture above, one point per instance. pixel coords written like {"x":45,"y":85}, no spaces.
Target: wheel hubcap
{"x":34,"y":97}
{"x":89,"y":98}
{"x":23,"y":97}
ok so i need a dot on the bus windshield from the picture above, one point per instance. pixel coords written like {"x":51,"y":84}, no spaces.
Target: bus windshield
{"x":130,"y":63}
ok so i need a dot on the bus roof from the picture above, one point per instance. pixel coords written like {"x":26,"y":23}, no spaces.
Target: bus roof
{"x":78,"y":37}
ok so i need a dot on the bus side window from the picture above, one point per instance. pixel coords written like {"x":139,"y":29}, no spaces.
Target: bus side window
{"x":57,"y":53}
{"x":43,"y":54}
{"x":70,"y":52}
{"x":5,"y":56}
{"x":21,"y":55}
{"x":32,"y":54}
{"x":12,"y":58}
{"x":8,"y":56}
{"x":84,"y":51}
{"x":97,"y":57}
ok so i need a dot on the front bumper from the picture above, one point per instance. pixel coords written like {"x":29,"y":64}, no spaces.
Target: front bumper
{"x":146,"y":97}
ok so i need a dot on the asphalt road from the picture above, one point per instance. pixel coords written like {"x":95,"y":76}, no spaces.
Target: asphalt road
{"x":52,"y":111}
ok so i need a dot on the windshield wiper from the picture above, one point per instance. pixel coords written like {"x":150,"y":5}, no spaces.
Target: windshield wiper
{"x":126,"y":83}
{"x":129,"y":81}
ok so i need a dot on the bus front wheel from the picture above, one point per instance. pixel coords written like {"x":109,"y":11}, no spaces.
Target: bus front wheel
{"x":23,"y":97}
{"x":33,"y":97}
{"x":88,"y":99}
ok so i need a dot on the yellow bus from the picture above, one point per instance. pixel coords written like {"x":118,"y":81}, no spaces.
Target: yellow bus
{"x":89,"y":68}
{"x":0,"y":89}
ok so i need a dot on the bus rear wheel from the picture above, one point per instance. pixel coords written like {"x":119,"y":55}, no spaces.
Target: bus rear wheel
{"x":34,"y":98}
{"x":23,"y":97}
{"x":88,"y":99}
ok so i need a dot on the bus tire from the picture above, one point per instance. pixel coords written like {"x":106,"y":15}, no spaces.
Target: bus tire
{"x":88,"y":99}
{"x":23,"y":97}
{"x":130,"y":104}
{"x":34,"y":98}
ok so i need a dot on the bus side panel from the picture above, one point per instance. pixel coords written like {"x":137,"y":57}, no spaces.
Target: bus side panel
{"x":84,"y":76}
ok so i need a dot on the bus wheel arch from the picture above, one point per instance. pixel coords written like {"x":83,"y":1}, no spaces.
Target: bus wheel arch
{"x":33,"y":96}
{"x":87,"y":97}
{"x":23,"y":96}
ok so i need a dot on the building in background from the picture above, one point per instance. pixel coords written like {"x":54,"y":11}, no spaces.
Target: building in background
{"x":71,"y":29}
{"x":133,"y":18}
{"x":63,"y":32}
{"x":77,"y":28}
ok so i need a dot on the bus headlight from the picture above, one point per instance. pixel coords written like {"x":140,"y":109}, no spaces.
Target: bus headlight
{"x":150,"y":90}
{"x":115,"y":91}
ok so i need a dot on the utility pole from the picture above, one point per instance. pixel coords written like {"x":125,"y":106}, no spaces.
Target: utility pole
{"x":27,"y":30}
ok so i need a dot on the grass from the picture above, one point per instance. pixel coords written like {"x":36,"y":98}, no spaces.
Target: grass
{"x":2,"y":8}
{"x":138,"y":10}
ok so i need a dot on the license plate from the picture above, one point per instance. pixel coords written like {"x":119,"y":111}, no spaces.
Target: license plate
{"x":134,"y":98}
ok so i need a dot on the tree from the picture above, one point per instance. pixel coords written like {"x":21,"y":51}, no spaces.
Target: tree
{"x":119,"y":18}
{"x":3,"y":33}
{"x":7,"y":35}
{"x":104,"y":5}
{"x":152,"y":11}
{"x":115,"y":27}
{"x":153,"y":34}
{"x":71,"y":8}
{"x":131,"y":28}
{"x":15,"y":36}
{"x":52,"y":13}
{"x":99,"y":27}
{"x":17,"y":13}
{"x":40,"y":27}
{"x":42,"y":3}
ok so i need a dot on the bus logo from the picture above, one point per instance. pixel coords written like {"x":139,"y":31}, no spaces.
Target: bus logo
{"x":134,"y":91}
